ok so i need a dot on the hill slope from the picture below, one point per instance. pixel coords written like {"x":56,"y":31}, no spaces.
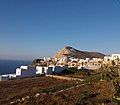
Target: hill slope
{"x":69,"y":51}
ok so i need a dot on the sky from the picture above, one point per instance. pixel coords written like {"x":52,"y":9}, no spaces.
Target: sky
{"x":32,"y":29}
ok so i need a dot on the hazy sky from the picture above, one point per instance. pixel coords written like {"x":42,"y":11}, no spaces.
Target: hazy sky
{"x":35,"y":28}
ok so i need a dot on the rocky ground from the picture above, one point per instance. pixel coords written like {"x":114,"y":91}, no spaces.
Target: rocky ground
{"x":68,"y":90}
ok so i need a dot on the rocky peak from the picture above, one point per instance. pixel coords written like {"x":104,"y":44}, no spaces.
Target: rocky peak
{"x":70,"y":51}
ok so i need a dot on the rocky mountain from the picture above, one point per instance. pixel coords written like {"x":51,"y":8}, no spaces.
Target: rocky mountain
{"x":72,"y":52}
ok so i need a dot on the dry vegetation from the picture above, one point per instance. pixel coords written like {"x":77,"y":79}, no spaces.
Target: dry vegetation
{"x":91,"y":91}
{"x":16,"y":89}
{"x":88,"y":94}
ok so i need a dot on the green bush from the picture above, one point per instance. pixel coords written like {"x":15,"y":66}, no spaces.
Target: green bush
{"x":92,"y":78}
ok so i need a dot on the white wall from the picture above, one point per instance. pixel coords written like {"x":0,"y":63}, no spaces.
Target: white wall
{"x":39,"y":70}
{"x":12,"y":76}
{"x":4,"y":77}
{"x":48,"y":70}
{"x":63,"y":60}
{"x":115,"y":56}
{"x":24,"y":67}
{"x":18,"y":72}
{"x":106,"y":58}
{"x":87,"y":59}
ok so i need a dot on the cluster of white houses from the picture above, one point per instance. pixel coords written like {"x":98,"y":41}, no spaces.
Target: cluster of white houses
{"x":61,"y":64}
{"x":112,"y":57}
{"x":30,"y":71}
{"x":88,"y":63}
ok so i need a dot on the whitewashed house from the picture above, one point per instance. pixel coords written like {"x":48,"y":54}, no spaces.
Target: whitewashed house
{"x":39,"y":70}
{"x":57,"y":69}
{"x":47,"y":59}
{"x":107,"y":58}
{"x":115,"y":56}
{"x":25,"y":71}
{"x":97,"y":59}
{"x":55,"y":59}
{"x":4,"y":77}
{"x":48,"y":70}
{"x":24,"y":67}
{"x":79,"y":67}
{"x":112,"y":57}
{"x":72,"y":59}
{"x":43,"y":70}
{"x":87,"y":59}
{"x":63,"y":60}
{"x":82,"y":60}
{"x":12,"y":76}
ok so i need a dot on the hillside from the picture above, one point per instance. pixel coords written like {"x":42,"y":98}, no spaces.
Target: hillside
{"x":100,"y":87}
{"x":52,"y":91}
{"x":72,"y":52}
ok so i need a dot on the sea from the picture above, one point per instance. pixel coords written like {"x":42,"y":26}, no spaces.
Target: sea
{"x":9,"y":66}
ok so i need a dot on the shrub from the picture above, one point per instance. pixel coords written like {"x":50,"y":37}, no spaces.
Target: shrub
{"x":57,"y":88}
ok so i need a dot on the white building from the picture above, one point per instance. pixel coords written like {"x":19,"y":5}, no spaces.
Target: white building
{"x":107,"y":58}
{"x":24,"y":67}
{"x":40,"y":70}
{"x":48,"y":70}
{"x":56,"y":59}
{"x":79,"y":67}
{"x":47,"y":59}
{"x":57,"y":69}
{"x":63,"y":60}
{"x":43,"y":70}
{"x":87,"y":59}
{"x":4,"y":77}
{"x":74,"y":59}
{"x":24,"y":71}
{"x":97,"y":59}
{"x":82,"y":60}
{"x":115,"y":56}
{"x":112,"y":57}
{"x":12,"y":76}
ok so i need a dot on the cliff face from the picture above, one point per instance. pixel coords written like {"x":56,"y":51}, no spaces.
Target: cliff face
{"x":69,"y":51}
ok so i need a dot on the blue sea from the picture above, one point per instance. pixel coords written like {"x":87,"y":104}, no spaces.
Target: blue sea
{"x":9,"y":66}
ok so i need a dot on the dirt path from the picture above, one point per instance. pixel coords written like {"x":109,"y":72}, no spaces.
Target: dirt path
{"x":53,"y":76}
{"x":65,"y":78}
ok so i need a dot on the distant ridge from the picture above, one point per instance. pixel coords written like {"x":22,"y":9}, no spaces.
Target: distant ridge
{"x":72,"y":52}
